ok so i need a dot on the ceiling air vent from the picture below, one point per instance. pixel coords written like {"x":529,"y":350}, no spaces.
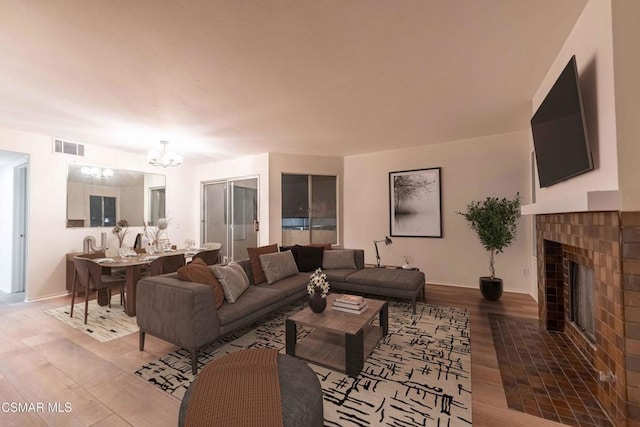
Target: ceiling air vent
{"x":67,"y":147}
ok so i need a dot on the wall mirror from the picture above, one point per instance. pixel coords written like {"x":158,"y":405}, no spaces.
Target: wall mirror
{"x":100,"y":197}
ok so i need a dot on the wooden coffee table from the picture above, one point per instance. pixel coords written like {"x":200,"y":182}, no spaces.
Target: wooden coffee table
{"x":340,"y":341}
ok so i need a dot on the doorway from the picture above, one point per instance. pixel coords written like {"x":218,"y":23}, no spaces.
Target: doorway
{"x":14,"y":174}
{"x":20,"y":227}
{"x":230,"y":216}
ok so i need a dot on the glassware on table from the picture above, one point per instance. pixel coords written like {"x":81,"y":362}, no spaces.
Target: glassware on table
{"x":150,"y":249}
{"x":190,"y":244}
{"x":126,"y":251}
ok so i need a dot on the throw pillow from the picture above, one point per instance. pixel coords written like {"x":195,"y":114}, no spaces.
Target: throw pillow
{"x":339,"y":258}
{"x":254,"y":260}
{"x":198,"y":272}
{"x":278,"y":266}
{"x":308,"y":258}
{"x":233,"y":279}
{"x":322,"y":245}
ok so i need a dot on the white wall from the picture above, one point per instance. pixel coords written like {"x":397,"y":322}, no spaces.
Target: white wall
{"x":301,"y":164}
{"x":591,"y":42}
{"x":626,"y":34}
{"x":471,"y":170}
{"x":48,"y":238}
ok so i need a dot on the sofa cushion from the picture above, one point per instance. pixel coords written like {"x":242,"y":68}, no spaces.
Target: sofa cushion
{"x":402,"y":280}
{"x":198,"y":272}
{"x":338,"y":274}
{"x":253,"y":299}
{"x":339,"y":258}
{"x":278,"y":266}
{"x":292,"y":284}
{"x":308,"y":258}
{"x":233,"y":279}
{"x":254,"y":259}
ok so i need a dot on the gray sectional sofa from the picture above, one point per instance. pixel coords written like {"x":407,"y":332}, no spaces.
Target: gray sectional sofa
{"x":185,"y":314}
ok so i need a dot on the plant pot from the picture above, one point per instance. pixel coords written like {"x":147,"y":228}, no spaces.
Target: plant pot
{"x":491,"y":288}
{"x":317,"y":303}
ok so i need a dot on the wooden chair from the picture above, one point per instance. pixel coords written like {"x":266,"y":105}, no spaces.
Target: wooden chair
{"x":212,"y":245}
{"x":89,"y":275}
{"x":166,"y":264}
{"x":210,"y":257}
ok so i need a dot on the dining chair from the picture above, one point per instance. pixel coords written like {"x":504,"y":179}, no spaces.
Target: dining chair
{"x":210,"y":257}
{"x":166,"y":264}
{"x":212,"y":245}
{"x":89,"y":275}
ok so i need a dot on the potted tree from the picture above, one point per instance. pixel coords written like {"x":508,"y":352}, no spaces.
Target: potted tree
{"x":494,"y":221}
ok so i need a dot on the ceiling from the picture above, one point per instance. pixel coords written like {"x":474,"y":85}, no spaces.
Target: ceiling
{"x":222,"y":79}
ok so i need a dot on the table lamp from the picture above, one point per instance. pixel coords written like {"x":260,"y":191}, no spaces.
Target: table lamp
{"x":387,"y":241}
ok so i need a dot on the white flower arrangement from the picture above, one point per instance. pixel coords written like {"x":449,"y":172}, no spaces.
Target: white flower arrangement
{"x":154,"y":234}
{"x":318,"y":282}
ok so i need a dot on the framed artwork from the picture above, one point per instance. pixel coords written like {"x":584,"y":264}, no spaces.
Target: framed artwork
{"x":415,"y":203}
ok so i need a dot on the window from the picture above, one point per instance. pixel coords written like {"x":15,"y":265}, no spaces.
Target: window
{"x":102,"y":211}
{"x":309,"y":209}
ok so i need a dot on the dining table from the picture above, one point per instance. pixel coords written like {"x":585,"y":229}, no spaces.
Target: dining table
{"x":132,"y":266}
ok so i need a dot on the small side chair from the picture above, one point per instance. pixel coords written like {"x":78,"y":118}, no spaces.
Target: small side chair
{"x":90,"y":276}
{"x":166,"y":264}
{"x":210,"y":257}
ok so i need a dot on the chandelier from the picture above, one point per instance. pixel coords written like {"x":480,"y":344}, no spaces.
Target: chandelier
{"x":164,"y":158}
{"x":96,"y":172}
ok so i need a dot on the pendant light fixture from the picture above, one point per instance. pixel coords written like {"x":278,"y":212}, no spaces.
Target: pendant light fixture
{"x":165,"y":157}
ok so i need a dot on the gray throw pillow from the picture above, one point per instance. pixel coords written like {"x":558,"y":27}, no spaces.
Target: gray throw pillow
{"x":233,"y":279}
{"x":339,"y":258}
{"x":278,"y":265}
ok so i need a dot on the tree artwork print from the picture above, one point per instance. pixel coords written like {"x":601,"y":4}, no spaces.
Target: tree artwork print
{"x":415,"y":203}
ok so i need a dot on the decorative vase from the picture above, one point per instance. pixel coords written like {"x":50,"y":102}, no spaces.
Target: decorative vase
{"x":317,"y":303}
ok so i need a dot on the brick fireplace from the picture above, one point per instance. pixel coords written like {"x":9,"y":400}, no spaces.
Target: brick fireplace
{"x":609,"y":244}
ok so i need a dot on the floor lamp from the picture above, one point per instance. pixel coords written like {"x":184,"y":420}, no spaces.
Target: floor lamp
{"x":387,"y":241}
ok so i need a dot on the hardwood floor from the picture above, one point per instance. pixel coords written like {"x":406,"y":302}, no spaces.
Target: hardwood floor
{"x":43,"y":360}
{"x":489,"y":401}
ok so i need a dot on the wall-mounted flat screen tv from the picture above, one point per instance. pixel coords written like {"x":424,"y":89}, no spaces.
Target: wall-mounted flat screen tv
{"x":559,"y":133}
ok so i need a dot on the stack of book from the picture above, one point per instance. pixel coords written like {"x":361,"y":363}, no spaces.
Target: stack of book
{"x":350,"y":304}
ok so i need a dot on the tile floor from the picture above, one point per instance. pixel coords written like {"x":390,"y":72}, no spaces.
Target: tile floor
{"x":543,"y":374}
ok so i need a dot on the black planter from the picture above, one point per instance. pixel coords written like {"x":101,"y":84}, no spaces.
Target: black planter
{"x":491,"y":288}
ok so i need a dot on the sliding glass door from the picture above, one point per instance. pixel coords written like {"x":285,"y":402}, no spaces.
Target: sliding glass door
{"x":230,"y":216}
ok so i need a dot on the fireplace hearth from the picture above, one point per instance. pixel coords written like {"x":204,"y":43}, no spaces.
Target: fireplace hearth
{"x":589,"y":289}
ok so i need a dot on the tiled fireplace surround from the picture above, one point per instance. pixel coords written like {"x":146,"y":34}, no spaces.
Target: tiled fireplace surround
{"x":610,"y":243}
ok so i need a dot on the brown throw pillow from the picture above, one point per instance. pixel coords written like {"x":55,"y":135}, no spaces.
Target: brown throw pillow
{"x":199,"y":272}
{"x":254,"y":260}
{"x":327,"y":246}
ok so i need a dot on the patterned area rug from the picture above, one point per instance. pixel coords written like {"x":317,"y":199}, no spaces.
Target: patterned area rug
{"x":103,"y":323}
{"x":418,"y":375}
